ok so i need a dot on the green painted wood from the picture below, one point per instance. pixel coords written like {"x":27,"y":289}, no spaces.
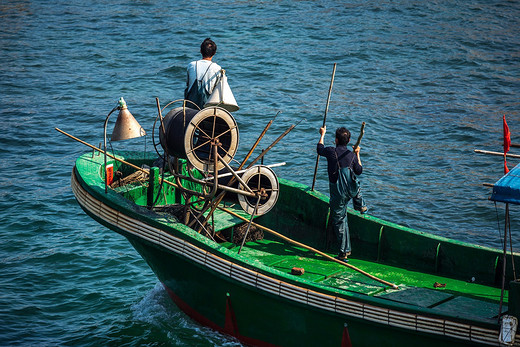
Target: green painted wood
{"x":469,"y":307}
{"x":224,"y":220}
{"x":269,"y":317}
{"x":424,"y":297}
{"x":379,"y":243}
{"x":437,"y":258}
{"x":412,"y":259}
{"x":152,"y":193}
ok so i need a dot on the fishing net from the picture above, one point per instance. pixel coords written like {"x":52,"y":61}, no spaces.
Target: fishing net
{"x":254,"y":233}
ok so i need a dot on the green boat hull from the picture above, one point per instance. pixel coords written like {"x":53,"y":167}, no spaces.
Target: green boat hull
{"x":257,"y":318}
{"x":255,"y":298}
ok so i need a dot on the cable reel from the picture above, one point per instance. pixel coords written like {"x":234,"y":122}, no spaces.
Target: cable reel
{"x":190,"y":133}
{"x":208,"y":140}
{"x":263,"y":182}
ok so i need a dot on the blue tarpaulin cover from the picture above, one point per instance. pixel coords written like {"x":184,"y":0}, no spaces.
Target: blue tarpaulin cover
{"x":507,"y":189}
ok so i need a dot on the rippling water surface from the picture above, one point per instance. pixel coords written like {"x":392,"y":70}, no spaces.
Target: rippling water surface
{"x":430,"y":79}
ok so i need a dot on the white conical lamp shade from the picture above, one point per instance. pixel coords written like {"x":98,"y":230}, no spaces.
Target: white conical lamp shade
{"x":222,"y":95}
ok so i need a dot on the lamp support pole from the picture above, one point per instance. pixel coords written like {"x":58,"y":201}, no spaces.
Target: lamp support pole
{"x":105,"y":146}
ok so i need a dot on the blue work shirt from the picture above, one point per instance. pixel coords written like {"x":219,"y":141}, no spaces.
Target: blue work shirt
{"x":345,"y":157}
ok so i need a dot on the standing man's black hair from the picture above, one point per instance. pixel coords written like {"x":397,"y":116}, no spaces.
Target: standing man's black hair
{"x":343,"y":136}
{"x":208,"y":48}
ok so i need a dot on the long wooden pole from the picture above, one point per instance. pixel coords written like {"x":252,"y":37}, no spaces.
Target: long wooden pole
{"x":257,"y":141}
{"x":361,"y":133}
{"x":324,"y":122}
{"x":264,"y":152}
{"x":103,"y":152}
{"x":236,"y":215}
{"x":309,"y":248}
{"x":496,"y":153}
{"x":219,"y":186}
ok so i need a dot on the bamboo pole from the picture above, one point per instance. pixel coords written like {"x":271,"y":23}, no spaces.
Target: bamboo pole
{"x":497,"y":153}
{"x":285,"y":238}
{"x":324,"y":121}
{"x":258,"y":141}
{"x":108,"y":155}
{"x":219,"y":186}
{"x":264,"y":152}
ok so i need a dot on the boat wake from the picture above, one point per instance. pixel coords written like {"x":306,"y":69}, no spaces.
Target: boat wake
{"x":157,"y":310}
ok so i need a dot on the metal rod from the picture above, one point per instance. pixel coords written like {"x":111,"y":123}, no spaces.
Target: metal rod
{"x":105,"y":146}
{"x":504,"y":263}
{"x":511,"y":249}
{"x":202,"y":227}
{"x":242,"y":171}
{"x":237,"y":177}
{"x":219,"y":186}
{"x":249,"y":224}
{"x":160,"y":117}
{"x":219,"y":198}
{"x":223,"y":194}
{"x":324,"y":122}
{"x":215,"y":174}
{"x":310,"y":249}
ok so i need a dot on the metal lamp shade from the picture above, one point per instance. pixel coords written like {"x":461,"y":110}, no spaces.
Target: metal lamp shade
{"x":222,"y":96}
{"x":126,"y":127}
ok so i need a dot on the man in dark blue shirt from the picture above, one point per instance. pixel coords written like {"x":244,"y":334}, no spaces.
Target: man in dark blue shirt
{"x":343,"y":165}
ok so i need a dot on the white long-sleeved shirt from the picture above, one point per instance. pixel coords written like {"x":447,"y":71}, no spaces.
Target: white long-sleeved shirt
{"x":210,"y":78}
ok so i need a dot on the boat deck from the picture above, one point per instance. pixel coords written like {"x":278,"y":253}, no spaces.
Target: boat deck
{"x":459,"y":298}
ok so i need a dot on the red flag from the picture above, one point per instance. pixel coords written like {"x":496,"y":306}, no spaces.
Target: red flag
{"x":507,"y":143}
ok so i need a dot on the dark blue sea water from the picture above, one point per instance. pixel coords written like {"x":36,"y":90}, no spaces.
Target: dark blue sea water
{"x":431,"y":79}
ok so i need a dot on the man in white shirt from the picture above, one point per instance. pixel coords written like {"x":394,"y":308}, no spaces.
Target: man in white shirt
{"x":203,"y":75}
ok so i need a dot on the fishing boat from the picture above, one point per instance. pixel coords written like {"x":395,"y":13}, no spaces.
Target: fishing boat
{"x":250,"y":255}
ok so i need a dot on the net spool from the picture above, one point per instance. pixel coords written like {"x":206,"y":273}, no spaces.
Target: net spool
{"x":189,"y":134}
{"x":259,"y":178}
